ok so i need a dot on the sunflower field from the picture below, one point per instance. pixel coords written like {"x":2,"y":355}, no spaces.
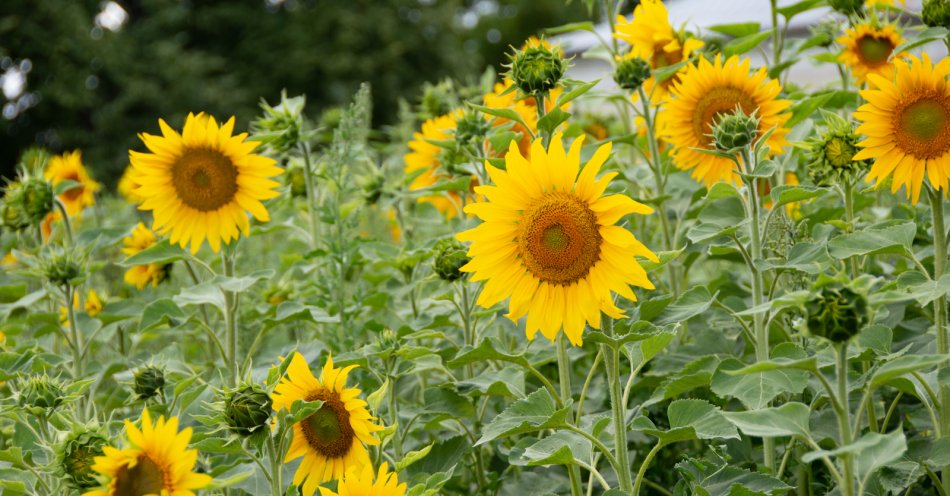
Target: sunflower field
{"x":694,"y":274}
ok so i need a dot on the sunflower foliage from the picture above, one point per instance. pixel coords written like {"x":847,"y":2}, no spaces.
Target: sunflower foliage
{"x":711,"y":278}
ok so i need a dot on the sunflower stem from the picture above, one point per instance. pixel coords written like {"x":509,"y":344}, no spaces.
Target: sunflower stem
{"x":612,"y":364}
{"x":276,"y":484}
{"x":564,"y":381}
{"x":844,"y":420}
{"x":776,"y":35}
{"x":66,"y":223}
{"x":758,"y":319}
{"x":848,"y":194}
{"x":940,"y":310}
{"x":230,"y":312}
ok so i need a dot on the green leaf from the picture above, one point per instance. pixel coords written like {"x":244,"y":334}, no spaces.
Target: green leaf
{"x":551,"y":120}
{"x":790,"y":419}
{"x":412,"y":457}
{"x":65,"y":185}
{"x":722,"y":190}
{"x":755,"y":390}
{"x":785,"y":194}
{"x":689,"y":419}
{"x":222,"y":482}
{"x":560,"y":448}
{"x":764,"y":169}
{"x":892,"y":239}
{"x":571,"y":95}
{"x":535,"y":412}
{"x":794,"y":9}
{"x":742,"y":45}
{"x":806,"y":107}
{"x":693,"y":302}
{"x":938,"y":33}
{"x":485,"y":351}
{"x":160,"y":253}
{"x":569,"y":28}
{"x":904,"y":365}
{"x":872,"y":451}
{"x":301,"y":409}
{"x":159,"y":312}
{"x":738,"y":29}
{"x":504,"y":113}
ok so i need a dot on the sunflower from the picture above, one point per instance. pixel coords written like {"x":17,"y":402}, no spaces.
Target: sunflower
{"x":907,"y":123}
{"x":425,"y":156}
{"x":548,"y":240}
{"x":868,"y":48}
{"x":201,"y":183}
{"x":127,"y":186}
{"x":93,"y":305}
{"x":708,"y":90}
{"x":652,"y":38}
{"x":331,"y":441}
{"x":69,"y":167}
{"x":143,"y":275}
{"x":156,"y":462}
{"x":361,"y":483}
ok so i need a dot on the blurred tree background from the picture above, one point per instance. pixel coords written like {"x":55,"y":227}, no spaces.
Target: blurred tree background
{"x":89,"y":74}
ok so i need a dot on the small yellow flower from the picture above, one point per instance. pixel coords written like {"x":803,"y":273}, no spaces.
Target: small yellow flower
{"x":868,"y":49}
{"x":143,"y":275}
{"x":69,"y":166}
{"x":425,"y":156}
{"x":93,"y":306}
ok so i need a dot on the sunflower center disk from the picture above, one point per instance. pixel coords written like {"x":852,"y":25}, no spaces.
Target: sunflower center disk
{"x":874,"y":51}
{"x":328,"y":431}
{"x":715,"y":103}
{"x":923,"y":127}
{"x":559,"y":240}
{"x":204,"y":179}
{"x":144,"y":478}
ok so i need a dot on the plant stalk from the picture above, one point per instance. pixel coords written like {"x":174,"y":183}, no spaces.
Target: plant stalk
{"x":612,"y":362}
{"x":844,"y":420}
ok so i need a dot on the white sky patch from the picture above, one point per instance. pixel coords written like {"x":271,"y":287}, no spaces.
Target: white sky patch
{"x":13,"y":82}
{"x":112,"y":16}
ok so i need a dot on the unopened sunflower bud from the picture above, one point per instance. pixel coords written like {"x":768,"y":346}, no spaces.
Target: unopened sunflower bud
{"x":34,"y":159}
{"x":734,"y":131}
{"x":37,"y":197}
{"x":247,"y":409}
{"x":280,"y":127}
{"x":471,"y":128}
{"x":75,"y":457}
{"x":61,"y":268}
{"x":831,"y":154}
{"x":825,"y":32}
{"x":836,"y":314}
{"x":41,"y":392}
{"x":847,"y":7}
{"x":450,"y":256}
{"x":149,"y":381}
{"x":631,"y":73}
{"x":537,"y":69}
{"x":936,"y":13}
{"x":437,"y":100}
{"x":13,"y":215}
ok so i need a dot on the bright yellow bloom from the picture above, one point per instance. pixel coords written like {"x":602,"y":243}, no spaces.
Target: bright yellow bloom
{"x":156,"y":461}
{"x":69,"y":166}
{"x":548,"y":240}
{"x":93,"y":306}
{"x":907,"y":123}
{"x":424,"y":156}
{"x":653,"y":39}
{"x":201,"y":184}
{"x":704,"y":93}
{"x":867,"y":50}
{"x":356,"y":483}
{"x":127,"y":186}
{"x":331,"y":441}
{"x":142,"y":275}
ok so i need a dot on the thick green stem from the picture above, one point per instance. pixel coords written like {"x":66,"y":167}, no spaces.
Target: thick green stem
{"x":844,"y":420}
{"x":776,"y":36}
{"x":612,"y":361}
{"x":940,"y":311}
{"x":660,"y":180}
{"x":760,"y":330}
{"x":564,"y":380}
{"x":66,"y":223}
{"x":74,"y":335}
{"x":230,"y":326}
{"x":276,"y":485}
{"x":643,"y":467}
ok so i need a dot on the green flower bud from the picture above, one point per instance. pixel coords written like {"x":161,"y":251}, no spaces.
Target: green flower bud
{"x":437,"y":100}
{"x":735,"y":130}
{"x":34,"y":159}
{"x":372,"y":186}
{"x":61,"y":268}
{"x":836,"y":314}
{"x":471,"y":128}
{"x":825,"y":32}
{"x":450,"y":256}
{"x":75,"y":457}
{"x":13,"y":215}
{"x":631,"y":73}
{"x":831,"y":154}
{"x":149,"y":381}
{"x":388,"y":339}
{"x":37,"y":199}
{"x":280,"y":128}
{"x":936,"y":13}
{"x":848,"y":7}
{"x":537,"y":69}
{"x":297,"y":181}
{"x":247,"y":409}
{"x":41,"y":392}
{"x":329,"y":120}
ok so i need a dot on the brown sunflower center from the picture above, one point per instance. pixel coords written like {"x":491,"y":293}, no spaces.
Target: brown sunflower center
{"x":145,"y":478}
{"x":559,"y":240}
{"x":71,"y":195}
{"x":328,"y":431}
{"x":873,"y":50}
{"x":922,"y":127}
{"x":204,"y":179}
{"x":661,"y":58}
{"x":715,"y":103}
